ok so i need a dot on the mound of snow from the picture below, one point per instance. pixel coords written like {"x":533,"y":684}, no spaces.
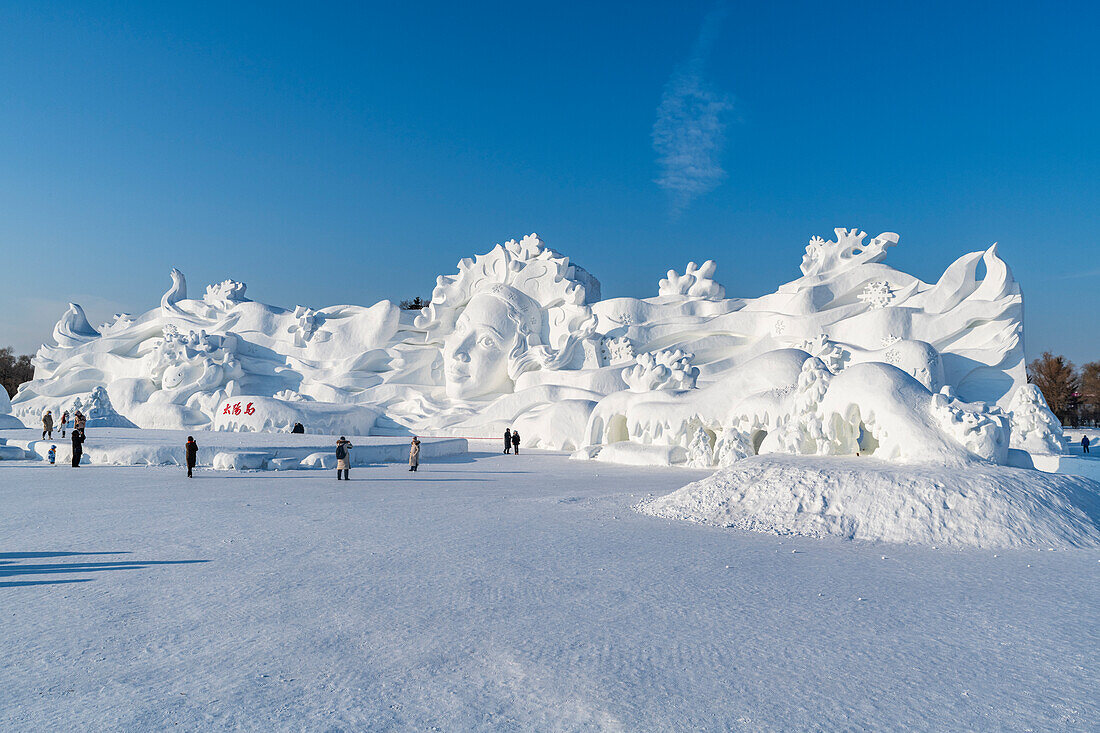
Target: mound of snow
{"x":866,"y":499}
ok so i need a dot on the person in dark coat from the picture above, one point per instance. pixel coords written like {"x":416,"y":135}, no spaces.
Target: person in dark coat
{"x":192,"y":455}
{"x":47,"y":426}
{"x":507,"y":440}
{"x":78,"y":446}
{"x":515,"y":441}
{"x":1085,"y":443}
{"x":298,"y":428}
{"x":343,"y":458}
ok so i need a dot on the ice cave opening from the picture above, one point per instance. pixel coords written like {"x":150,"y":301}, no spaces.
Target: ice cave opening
{"x":616,"y":429}
{"x":757,"y":439}
{"x":867,"y":441}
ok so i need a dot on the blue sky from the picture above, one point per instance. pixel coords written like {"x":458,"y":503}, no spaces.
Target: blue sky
{"x":333,"y":154}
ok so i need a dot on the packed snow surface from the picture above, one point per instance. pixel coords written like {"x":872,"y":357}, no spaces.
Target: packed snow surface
{"x":492,"y":592}
{"x":866,"y":499}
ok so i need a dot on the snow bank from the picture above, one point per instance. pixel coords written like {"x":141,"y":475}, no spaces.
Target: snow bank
{"x":227,"y":450}
{"x":866,"y":499}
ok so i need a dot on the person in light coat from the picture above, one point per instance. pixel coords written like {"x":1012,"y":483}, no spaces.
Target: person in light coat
{"x":414,"y":454}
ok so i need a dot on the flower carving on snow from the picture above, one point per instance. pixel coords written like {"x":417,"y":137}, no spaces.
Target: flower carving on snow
{"x":696,"y":282}
{"x":876,"y":294}
{"x":616,"y":350}
{"x":225,"y":294}
{"x":848,"y":250}
{"x":982,"y":429}
{"x":779,"y":327}
{"x":306,"y":325}
{"x":832,"y":354}
{"x":892,"y":356}
{"x":662,"y":370}
{"x":890,"y":340}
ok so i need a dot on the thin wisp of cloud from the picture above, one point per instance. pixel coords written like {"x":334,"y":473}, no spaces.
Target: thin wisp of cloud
{"x":689,"y":133}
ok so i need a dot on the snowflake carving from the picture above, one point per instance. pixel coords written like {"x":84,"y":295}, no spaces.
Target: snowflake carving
{"x":877,"y":294}
{"x":893,"y":356}
{"x":780,"y":327}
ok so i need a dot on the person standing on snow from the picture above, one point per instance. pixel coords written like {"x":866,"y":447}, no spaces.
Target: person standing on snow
{"x":507,"y":440}
{"x":192,"y":449}
{"x":51,"y":455}
{"x":515,"y":441}
{"x":78,"y":446}
{"x":1084,"y":444}
{"x":79,"y":421}
{"x":47,"y":426}
{"x":64,"y":422}
{"x":343,"y":457}
{"x":414,"y":454}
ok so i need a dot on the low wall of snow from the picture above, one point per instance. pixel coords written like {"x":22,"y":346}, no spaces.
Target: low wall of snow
{"x":231,"y":450}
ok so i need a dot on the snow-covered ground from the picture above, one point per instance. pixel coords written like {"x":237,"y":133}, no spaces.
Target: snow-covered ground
{"x":507,"y":593}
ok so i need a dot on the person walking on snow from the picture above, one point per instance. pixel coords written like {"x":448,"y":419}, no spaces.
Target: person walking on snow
{"x":47,"y":426}
{"x":515,"y":441}
{"x":343,"y":458}
{"x":414,"y":454}
{"x":192,"y":449}
{"x":507,"y":440}
{"x":64,"y":422}
{"x":1084,"y":444}
{"x":51,"y":456}
{"x":78,"y":446}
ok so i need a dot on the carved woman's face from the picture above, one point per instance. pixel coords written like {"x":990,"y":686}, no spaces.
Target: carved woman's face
{"x":475,"y":356}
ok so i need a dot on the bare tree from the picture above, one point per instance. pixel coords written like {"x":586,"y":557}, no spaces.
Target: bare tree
{"x":1058,"y":381}
{"x":14,"y":370}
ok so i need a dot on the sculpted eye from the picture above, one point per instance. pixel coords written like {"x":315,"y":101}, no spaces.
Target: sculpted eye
{"x":487,"y":342}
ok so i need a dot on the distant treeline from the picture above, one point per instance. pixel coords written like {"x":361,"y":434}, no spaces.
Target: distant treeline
{"x":1072,"y":394}
{"x":14,"y":370}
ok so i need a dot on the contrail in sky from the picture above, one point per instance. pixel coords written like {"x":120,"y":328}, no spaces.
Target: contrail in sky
{"x":689,"y":134}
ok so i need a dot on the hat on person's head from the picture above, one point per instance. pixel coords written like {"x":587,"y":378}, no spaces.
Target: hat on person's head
{"x":341,"y":437}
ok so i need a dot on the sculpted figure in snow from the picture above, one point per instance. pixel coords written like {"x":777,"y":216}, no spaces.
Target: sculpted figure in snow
{"x":519,"y":308}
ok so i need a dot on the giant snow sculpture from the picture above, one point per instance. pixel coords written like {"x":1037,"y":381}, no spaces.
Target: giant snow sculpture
{"x":853,"y":356}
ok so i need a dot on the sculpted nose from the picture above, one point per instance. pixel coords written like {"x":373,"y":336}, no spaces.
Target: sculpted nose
{"x":461,"y":355}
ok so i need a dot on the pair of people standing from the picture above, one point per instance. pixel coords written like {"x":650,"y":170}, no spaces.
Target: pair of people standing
{"x":511,"y":441}
{"x":343,"y":457}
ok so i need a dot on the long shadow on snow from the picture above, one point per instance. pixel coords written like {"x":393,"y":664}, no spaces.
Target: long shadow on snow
{"x":74,"y":567}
